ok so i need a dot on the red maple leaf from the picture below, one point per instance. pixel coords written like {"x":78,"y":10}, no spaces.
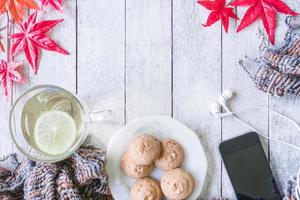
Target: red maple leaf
{"x":264,"y":9}
{"x":219,"y":11}
{"x":56,"y":4}
{"x":32,"y":36}
{"x":9,"y":73}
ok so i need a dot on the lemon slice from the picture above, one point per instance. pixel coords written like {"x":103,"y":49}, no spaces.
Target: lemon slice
{"x":54,"y":132}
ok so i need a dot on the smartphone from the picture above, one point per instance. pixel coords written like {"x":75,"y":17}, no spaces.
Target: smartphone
{"x":248,"y":168}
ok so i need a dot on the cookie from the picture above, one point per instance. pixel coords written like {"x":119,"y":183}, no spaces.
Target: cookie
{"x":144,"y":149}
{"x":177,"y":184}
{"x":171,"y":156}
{"x":133,"y":170}
{"x":146,"y":188}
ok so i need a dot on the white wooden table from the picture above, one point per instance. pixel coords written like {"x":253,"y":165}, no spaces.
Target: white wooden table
{"x":145,"y":57}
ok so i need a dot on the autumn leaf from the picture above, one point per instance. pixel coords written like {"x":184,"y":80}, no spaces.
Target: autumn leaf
{"x":56,"y":4}
{"x":9,"y":73}
{"x":219,"y":11}
{"x":266,"y":11}
{"x":32,"y":37}
{"x":16,"y":7}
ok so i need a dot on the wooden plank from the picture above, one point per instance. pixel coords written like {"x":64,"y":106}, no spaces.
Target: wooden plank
{"x":54,"y":68}
{"x":18,"y":89}
{"x":197,"y":83}
{"x":236,"y":46}
{"x":148,"y":58}
{"x":284,"y":159}
{"x":5,"y":103}
{"x":101,"y":49}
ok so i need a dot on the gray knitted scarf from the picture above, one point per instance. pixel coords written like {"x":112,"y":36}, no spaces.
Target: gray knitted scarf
{"x":81,"y":176}
{"x":277,"y":70}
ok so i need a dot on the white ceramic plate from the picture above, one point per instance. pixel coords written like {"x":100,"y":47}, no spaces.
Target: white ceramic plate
{"x":160,"y":127}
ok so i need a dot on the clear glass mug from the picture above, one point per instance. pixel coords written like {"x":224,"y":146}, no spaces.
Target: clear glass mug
{"x":42,"y":99}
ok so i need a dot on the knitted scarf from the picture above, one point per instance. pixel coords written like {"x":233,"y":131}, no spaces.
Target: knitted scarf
{"x":81,"y":176}
{"x":278,"y":70}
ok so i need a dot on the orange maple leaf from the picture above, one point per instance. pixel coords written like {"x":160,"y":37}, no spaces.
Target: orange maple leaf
{"x":15,"y":7}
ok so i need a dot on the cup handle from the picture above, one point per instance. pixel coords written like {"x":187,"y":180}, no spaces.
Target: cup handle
{"x":99,"y":115}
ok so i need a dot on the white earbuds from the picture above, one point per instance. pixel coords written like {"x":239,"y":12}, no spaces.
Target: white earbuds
{"x":223,"y":99}
{"x":216,"y":108}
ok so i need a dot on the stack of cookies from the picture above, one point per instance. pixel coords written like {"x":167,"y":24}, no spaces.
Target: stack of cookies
{"x":142,"y":154}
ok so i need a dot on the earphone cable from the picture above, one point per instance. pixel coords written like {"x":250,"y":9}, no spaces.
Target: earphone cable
{"x":297,"y":190}
{"x":233,"y":113}
{"x":217,"y":113}
{"x":267,"y":137}
{"x":272,"y":111}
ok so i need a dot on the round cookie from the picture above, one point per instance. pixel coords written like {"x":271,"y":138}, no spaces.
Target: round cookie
{"x":177,"y":184}
{"x":133,"y":170}
{"x":144,"y":149}
{"x":171,"y":156}
{"x":146,"y":188}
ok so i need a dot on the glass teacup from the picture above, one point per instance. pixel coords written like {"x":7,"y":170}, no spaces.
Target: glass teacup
{"x":47,"y":123}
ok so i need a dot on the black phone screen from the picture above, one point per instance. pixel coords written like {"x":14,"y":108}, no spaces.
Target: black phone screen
{"x":248,"y":168}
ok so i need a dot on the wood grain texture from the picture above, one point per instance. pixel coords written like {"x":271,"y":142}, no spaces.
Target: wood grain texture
{"x":197,"y":83}
{"x":140,"y":57}
{"x":148,"y":58}
{"x":101,"y":61}
{"x":284,"y":159}
{"x":234,"y":47}
{"x":54,"y":68}
{"x":6,"y":145}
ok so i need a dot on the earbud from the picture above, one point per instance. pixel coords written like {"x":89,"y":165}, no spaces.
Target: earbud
{"x":215,"y":108}
{"x":224,"y":98}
